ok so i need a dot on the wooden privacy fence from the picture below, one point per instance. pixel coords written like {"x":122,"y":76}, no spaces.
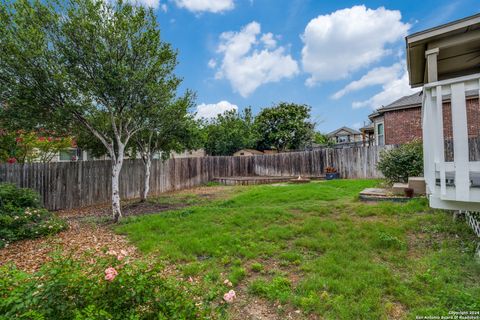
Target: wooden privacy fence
{"x":360,"y":162}
{"x":64,"y":185}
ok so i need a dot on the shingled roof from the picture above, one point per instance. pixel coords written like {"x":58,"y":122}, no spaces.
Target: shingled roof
{"x":347,"y":129}
{"x":407,"y":101}
{"x":411,"y":101}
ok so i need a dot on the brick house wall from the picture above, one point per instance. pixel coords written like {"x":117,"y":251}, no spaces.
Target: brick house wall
{"x":402,"y":126}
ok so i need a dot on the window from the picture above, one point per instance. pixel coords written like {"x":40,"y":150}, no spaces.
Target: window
{"x":380,"y":134}
{"x":71,"y":155}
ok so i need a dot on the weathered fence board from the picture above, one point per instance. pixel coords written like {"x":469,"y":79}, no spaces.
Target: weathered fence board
{"x":358,"y":162}
{"x":78,"y":184}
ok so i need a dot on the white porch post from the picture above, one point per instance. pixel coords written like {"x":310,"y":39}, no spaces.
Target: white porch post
{"x":432,"y":73}
{"x":429,"y":118}
{"x":460,"y":142}
{"x":439,"y":140}
{"x":428,"y":136}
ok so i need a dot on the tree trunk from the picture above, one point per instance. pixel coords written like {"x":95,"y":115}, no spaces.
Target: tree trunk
{"x":117,"y":159}
{"x":116,"y":206}
{"x":117,"y":162}
{"x":147,"y":163}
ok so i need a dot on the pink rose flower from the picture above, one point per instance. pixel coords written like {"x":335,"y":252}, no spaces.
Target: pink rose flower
{"x":112,"y":252}
{"x":110,"y":274}
{"x":229,"y":296}
{"x":122,"y":255}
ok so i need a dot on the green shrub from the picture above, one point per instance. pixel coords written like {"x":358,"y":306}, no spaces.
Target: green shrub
{"x":12,"y":198}
{"x":21,"y":216}
{"x":77,"y":289}
{"x":400,"y":163}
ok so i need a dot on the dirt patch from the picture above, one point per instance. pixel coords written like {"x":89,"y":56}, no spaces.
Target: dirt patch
{"x":396,"y":311}
{"x":131,"y":208}
{"x":418,"y":241}
{"x":248,"y":307}
{"x":251,"y":307}
{"x":155,"y":204}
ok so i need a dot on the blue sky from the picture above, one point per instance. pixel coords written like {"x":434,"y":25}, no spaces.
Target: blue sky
{"x":343,"y":58}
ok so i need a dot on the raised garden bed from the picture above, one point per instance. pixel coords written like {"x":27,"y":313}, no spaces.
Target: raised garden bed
{"x":380,"y":194}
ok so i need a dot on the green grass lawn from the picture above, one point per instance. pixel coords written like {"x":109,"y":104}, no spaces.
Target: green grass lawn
{"x":316,"y":248}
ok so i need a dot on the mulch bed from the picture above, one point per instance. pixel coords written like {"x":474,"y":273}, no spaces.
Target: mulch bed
{"x":79,"y":238}
{"x":88,"y":232}
{"x":82,"y":236}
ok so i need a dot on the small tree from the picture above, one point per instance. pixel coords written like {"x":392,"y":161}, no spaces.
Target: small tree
{"x":171,"y":128}
{"x":284,"y":126}
{"x":400,"y":163}
{"x":323,"y":139}
{"x":99,"y":63}
{"x":26,"y":147}
{"x":229,"y":132}
{"x":9,"y":152}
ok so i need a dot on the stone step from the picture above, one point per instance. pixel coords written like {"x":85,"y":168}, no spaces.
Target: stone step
{"x":417,"y":184}
{"x":399,"y":188}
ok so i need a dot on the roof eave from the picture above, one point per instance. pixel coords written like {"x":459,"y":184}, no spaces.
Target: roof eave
{"x":442,"y":29}
{"x":416,"y":45}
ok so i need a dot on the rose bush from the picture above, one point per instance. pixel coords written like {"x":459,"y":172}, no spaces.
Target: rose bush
{"x":21,"y":215}
{"x":67,"y":288}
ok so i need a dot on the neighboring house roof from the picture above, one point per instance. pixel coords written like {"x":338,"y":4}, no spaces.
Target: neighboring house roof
{"x":411,"y":101}
{"x":347,"y":129}
{"x":250,"y":150}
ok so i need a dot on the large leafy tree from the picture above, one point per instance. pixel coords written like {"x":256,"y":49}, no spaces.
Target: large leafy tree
{"x":171,"y":127}
{"x":101,"y":64}
{"x":229,"y":132}
{"x":284,"y":126}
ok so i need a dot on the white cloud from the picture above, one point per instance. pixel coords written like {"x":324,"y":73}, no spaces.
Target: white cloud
{"x":376,"y":76}
{"x":147,"y":3}
{"x":392,"y":90}
{"x":164,"y":7}
{"x":248,"y":63}
{"x":337,"y":44}
{"x":212,"y":110}
{"x":198,"y":6}
{"x":268,"y":40}
{"x":212,"y":63}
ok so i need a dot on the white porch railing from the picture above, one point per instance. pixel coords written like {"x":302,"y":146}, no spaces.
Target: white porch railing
{"x":460,"y":195}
